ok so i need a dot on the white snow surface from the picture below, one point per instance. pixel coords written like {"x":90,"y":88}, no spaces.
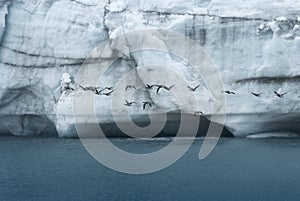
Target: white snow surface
{"x":255,"y":46}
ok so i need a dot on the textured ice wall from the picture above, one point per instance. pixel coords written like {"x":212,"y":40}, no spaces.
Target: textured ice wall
{"x":255,"y":45}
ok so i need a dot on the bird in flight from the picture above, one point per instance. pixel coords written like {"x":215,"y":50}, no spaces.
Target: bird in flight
{"x":99,"y":91}
{"x":96,"y":90}
{"x":145,"y":104}
{"x":148,"y":86}
{"x":198,"y":113}
{"x":129,"y":104}
{"x":193,"y":89}
{"x":83,"y":88}
{"x":107,"y":94}
{"x":130,"y":87}
{"x":256,"y":94}
{"x":69,"y":88}
{"x":164,"y":87}
{"x":280,"y":95}
{"x":93,"y":89}
{"x":109,"y":88}
{"x":228,"y":92}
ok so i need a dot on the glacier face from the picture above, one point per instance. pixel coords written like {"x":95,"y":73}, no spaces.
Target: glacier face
{"x":255,"y":46}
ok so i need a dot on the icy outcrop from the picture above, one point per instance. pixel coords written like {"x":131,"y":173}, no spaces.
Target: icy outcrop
{"x":254,"y":44}
{"x":281,"y":27}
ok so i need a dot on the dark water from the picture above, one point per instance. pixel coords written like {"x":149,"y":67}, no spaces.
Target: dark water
{"x":238,"y":169}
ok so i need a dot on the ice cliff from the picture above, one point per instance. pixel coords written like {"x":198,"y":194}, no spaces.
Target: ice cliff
{"x":43,"y":43}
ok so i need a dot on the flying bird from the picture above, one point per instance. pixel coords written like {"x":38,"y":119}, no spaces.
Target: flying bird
{"x":145,"y":104}
{"x":279,"y":95}
{"x":99,"y":91}
{"x":109,"y":88}
{"x":160,"y":87}
{"x":198,"y":112}
{"x":169,"y":88}
{"x":93,"y":89}
{"x":164,"y":87}
{"x":129,"y":87}
{"x":69,"y":88}
{"x":129,"y":104}
{"x":229,"y":92}
{"x":83,"y":88}
{"x":193,"y":89}
{"x":148,"y":86}
{"x":256,"y":94}
{"x":107,"y":94}
{"x":96,"y":90}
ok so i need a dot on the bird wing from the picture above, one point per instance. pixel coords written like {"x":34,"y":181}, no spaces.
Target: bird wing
{"x":96,"y":91}
{"x":82,"y":87}
{"x":171,"y":87}
{"x":158,"y":89}
{"x":109,"y":93}
{"x":196,"y":87}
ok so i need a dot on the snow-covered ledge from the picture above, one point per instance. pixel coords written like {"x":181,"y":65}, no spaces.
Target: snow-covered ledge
{"x":254,"y":44}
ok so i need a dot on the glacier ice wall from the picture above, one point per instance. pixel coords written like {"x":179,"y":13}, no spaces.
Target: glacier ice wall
{"x":254,"y":44}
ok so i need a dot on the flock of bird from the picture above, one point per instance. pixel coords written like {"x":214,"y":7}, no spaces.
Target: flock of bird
{"x":107,"y":91}
{"x":278,"y":94}
{"x":98,"y":90}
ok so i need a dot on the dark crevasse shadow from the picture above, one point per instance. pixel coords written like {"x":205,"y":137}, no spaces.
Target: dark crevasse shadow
{"x":27,"y":125}
{"x":170,"y":129}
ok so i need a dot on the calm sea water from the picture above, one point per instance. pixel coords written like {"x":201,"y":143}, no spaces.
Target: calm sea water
{"x":238,"y":169}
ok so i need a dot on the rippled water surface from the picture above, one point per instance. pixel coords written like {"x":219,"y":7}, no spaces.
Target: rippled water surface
{"x":238,"y":169}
